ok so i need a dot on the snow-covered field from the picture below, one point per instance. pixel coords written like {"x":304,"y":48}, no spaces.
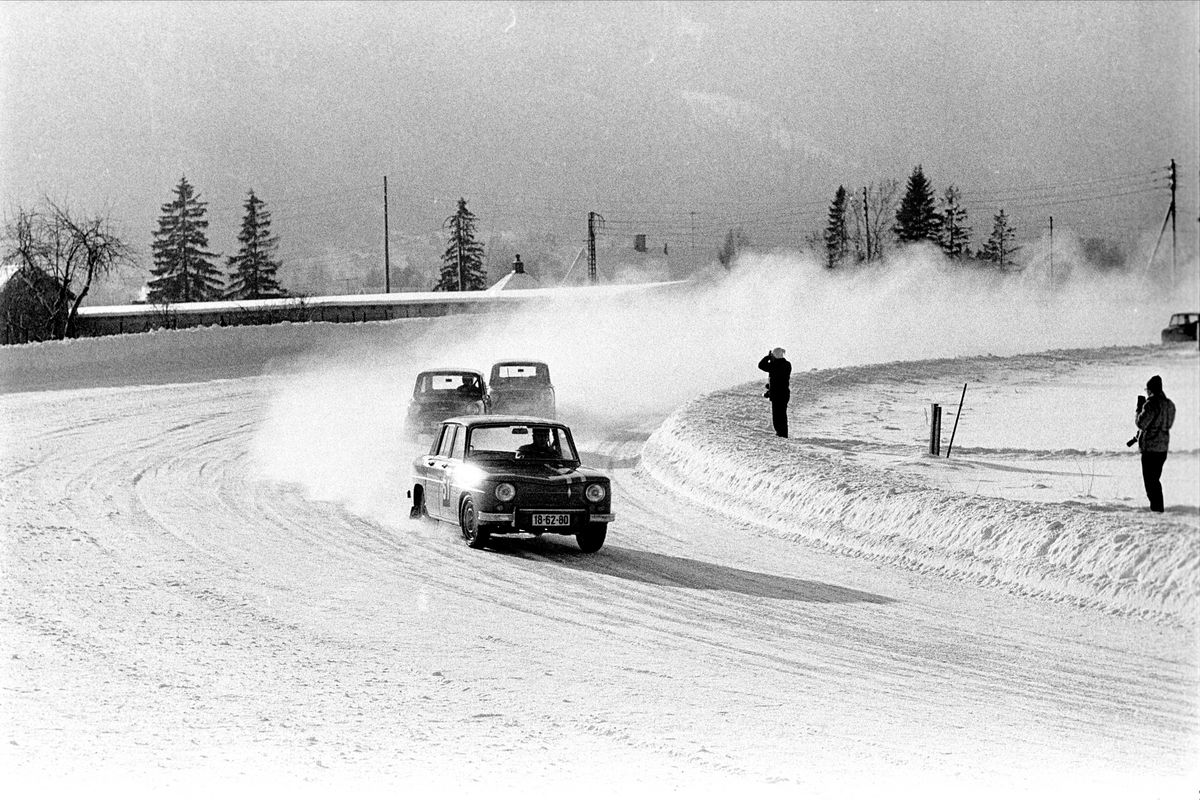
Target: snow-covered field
{"x":1038,"y":492}
{"x":209,"y":581}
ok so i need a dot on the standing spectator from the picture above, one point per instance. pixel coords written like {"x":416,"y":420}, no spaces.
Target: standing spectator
{"x":1155,"y":415}
{"x":779,"y":387}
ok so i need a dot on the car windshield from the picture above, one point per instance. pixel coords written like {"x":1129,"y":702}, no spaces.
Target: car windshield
{"x":516,"y":376}
{"x":520,"y":442}
{"x":447,"y":384}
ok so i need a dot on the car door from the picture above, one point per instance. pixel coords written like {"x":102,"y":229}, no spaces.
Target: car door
{"x":445,"y":471}
{"x":457,"y":455}
{"x":432,"y":470}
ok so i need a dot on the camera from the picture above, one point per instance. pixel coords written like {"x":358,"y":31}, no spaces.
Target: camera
{"x":1141,"y":401}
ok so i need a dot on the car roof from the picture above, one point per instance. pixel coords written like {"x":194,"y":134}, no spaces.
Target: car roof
{"x":516,"y":362}
{"x":450,"y":371}
{"x":498,"y":419}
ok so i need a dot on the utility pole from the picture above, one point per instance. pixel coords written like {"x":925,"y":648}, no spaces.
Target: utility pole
{"x":1052,"y":252}
{"x":387,"y":265}
{"x":1172,"y":223}
{"x":867,"y":221}
{"x":693,"y":244}
{"x":458,"y":251}
{"x":592,"y":217}
{"x":1170,"y":217}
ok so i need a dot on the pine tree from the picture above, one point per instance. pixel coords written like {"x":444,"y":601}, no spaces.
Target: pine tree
{"x":252,"y":271}
{"x":735,"y":241}
{"x":955,"y":236}
{"x":1002,"y":244}
{"x":462,"y":263}
{"x":182,"y":270}
{"x":837,"y":239}
{"x":917,"y":220}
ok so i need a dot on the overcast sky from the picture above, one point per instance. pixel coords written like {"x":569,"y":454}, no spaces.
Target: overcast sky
{"x":662,"y":115}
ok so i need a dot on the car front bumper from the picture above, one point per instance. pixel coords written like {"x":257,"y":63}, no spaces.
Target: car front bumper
{"x":492,"y":518}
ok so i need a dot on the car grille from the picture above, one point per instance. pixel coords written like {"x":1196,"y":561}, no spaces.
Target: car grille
{"x":543,"y":496}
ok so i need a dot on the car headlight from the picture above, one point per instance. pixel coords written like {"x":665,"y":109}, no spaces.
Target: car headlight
{"x":595,"y":492}
{"x":469,"y":476}
{"x":505,"y":492}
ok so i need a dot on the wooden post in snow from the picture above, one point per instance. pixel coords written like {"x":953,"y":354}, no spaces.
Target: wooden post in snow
{"x":935,"y":429}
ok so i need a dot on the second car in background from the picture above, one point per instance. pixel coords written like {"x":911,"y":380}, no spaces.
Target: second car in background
{"x":439,"y":394}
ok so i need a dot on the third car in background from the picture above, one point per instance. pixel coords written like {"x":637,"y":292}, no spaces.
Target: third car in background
{"x":522,"y":387}
{"x":1181,"y":328}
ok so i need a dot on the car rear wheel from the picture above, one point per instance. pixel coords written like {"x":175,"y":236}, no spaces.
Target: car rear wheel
{"x":474,"y":536}
{"x":592,"y":539}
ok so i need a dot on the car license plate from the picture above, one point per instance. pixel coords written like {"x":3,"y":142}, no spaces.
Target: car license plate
{"x":552,"y":520}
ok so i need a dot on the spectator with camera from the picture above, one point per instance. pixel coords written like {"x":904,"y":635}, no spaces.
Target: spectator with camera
{"x":1155,"y":415}
{"x":779,"y":389}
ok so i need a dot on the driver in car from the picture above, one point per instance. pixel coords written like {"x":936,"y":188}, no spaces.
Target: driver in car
{"x":540,"y":447}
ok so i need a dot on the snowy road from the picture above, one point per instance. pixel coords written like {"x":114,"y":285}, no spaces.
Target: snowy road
{"x":172,"y":619}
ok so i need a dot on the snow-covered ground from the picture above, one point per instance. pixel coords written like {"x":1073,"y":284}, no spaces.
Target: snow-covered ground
{"x":209,"y":581}
{"x":1038,"y":491}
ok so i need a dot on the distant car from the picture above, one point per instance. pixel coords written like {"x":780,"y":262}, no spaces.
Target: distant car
{"x":522,"y":387}
{"x":439,"y":394}
{"x":494,"y":475}
{"x":1181,"y":328}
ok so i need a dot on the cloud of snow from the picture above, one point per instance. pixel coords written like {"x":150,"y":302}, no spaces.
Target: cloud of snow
{"x":628,"y":361}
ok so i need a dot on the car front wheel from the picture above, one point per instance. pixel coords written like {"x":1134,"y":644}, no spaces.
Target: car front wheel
{"x":469,"y":521}
{"x":592,"y":539}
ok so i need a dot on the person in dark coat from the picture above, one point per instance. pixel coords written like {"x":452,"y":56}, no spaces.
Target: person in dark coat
{"x":779,"y":387}
{"x":1155,"y":415}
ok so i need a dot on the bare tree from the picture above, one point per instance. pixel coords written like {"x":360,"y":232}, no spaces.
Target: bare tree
{"x":873,"y":211}
{"x":58,"y":256}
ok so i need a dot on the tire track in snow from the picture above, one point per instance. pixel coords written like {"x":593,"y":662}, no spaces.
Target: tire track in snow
{"x":691,"y":641}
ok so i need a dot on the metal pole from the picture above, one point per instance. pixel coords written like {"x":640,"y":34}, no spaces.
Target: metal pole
{"x":387,"y":265}
{"x":950,"y":446}
{"x":1052,"y":252}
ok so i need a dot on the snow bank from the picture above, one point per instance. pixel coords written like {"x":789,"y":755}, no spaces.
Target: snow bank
{"x":862,"y":490}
